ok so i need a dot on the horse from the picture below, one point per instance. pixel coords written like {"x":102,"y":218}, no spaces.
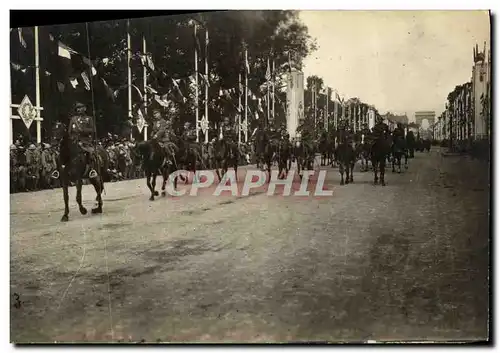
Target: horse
{"x":264,"y":151}
{"x":398,"y":150}
{"x":284,"y":157}
{"x":304,"y":154}
{"x":155,"y":161}
{"x":72,"y":164}
{"x":324,"y":148}
{"x":225,"y":156}
{"x":345,"y":155}
{"x":379,"y":150}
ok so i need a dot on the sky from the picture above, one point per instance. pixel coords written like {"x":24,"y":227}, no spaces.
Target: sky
{"x":399,"y":61}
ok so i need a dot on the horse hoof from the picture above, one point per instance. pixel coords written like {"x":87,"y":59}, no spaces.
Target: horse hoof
{"x":351,"y":181}
{"x":399,"y":172}
{"x":383,"y":183}
{"x":64,"y":218}
{"x":163,"y":193}
{"x":342,"y":183}
{"x":152,"y":198}
{"x":157,"y":193}
{"x":97,"y":210}
{"x":375,"y":182}
{"x":83,"y":210}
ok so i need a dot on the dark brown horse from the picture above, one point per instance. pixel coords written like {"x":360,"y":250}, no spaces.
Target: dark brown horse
{"x":345,"y":155}
{"x":226,"y":155}
{"x":72,"y":166}
{"x":157,"y":160}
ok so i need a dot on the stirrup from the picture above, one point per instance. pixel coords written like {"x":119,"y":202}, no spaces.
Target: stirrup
{"x":92,"y":174}
{"x":55,"y":174}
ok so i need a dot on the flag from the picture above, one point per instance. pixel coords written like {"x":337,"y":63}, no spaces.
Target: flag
{"x":150,"y":62}
{"x":86,"y":80}
{"x":268,"y":72}
{"x":74,"y":82}
{"x":247,"y":65}
{"x":64,"y":51}
{"x":21,"y":37}
{"x":60,"y":86}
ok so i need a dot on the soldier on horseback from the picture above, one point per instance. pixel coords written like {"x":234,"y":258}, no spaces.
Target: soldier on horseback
{"x":163,"y":132}
{"x":81,"y":128}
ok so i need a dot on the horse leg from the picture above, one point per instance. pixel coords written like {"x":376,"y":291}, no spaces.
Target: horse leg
{"x":341,"y":171}
{"x":399,"y":163}
{"x":66,"y":201}
{"x":164,"y":182}
{"x":99,"y":188}
{"x":79,"y":184}
{"x":148,"y":183}
{"x":236,"y":169}
{"x":153,"y":183}
{"x":382,"y":173}
{"x":406,"y":160}
{"x":352,"y":171}
{"x":375,"y":171}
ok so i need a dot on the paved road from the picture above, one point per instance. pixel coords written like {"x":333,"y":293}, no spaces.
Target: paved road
{"x":405,"y":261}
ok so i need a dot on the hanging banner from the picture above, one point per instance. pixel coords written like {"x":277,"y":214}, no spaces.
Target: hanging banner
{"x":141,"y":122}
{"x":27,"y":111}
{"x":295,"y":102}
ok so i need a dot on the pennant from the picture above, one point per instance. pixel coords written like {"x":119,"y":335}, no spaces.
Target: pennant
{"x":109,"y":91}
{"x":86,"y":80}
{"x":105,"y":61}
{"x":15,"y":66}
{"x":60,"y":86}
{"x":63,"y":51}
{"x":150,"y":62}
{"x":74,"y":82}
{"x":176,"y":85}
{"x":21,"y":38}
{"x":268,"y":72}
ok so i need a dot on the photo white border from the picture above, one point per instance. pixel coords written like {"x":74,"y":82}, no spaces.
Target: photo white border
{"x":192,"y":4}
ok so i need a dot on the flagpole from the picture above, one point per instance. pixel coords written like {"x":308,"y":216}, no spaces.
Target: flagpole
{"x":274,"y":93}
{"x":246,"y":96}
{"x":239,"y":109}
{"x":129,"y":59}
{"x":196,"y":103}
{"x":326,"y":115}
{"x":268,"y":95}
{"x":37,"y":78}
{"x":314,"y":108}
{"x":145,"y":80}
{"x":207,"y":81}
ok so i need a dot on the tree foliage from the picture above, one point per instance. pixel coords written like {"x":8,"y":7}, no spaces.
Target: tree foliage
{"x":170,"y":41}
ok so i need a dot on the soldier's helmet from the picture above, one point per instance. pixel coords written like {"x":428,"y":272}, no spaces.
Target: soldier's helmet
{"x":32,"y":147}
{"x":13,"y":147}
{"x":46,"y":145}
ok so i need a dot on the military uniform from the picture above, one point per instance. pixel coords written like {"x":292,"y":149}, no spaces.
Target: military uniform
{"x":81,"y":128}
{"x":163,"y":134}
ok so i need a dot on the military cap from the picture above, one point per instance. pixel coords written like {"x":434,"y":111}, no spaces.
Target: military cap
{"x":79,"y":105}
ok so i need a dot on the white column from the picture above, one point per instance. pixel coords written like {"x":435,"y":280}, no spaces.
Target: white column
{"x":37,"y":75}
{"x":129,"y":70}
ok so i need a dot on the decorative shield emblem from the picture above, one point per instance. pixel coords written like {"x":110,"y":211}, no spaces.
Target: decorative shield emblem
{"x":27,"y":111}
{"x":140,"y":121}
{"x":204,"y":124}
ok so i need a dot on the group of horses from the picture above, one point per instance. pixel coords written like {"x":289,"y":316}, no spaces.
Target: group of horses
{"x":165,"y":159}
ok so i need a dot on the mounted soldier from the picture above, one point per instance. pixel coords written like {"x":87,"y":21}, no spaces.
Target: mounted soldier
{"x":81,"y":129}
{"x":163,"y":132}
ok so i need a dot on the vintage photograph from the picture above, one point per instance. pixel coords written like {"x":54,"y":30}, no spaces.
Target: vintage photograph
{"x":271,"y":176}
